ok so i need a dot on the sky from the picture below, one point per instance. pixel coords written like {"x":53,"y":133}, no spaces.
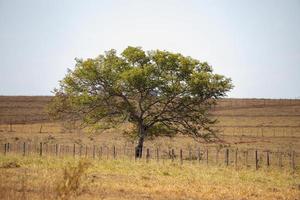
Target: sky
{"x":254,"y":42}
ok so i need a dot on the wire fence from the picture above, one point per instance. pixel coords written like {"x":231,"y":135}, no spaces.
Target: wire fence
{"x":251,"y":158}
{"x":226,"y":130}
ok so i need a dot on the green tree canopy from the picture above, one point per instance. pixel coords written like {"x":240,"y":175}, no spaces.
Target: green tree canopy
{"x":160,"y":92}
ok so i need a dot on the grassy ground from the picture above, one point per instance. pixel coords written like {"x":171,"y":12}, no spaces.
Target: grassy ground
{"x":52,"y":178}
{"x":248,"y":123}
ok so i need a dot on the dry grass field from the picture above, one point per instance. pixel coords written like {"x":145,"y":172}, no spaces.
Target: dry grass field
{"x":68,"y":178}
{"x":244,"y":124}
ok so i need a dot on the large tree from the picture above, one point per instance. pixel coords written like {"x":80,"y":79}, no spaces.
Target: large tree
{"x":159,"y":92}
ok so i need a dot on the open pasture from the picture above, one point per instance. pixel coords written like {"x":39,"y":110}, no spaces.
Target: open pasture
{"x":259,"y":157}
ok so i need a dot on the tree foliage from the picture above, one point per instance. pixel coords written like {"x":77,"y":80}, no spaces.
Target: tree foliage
{"x":160,"y":92}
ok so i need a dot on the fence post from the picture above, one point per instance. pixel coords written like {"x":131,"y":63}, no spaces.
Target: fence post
{"x":100,"y":153}
{"x":207,"y":156}
{"x":8,"y":147}
{"x":41,"y":148}
{"x":24,"y":148}
{"x":47,"y":149}
{"x":5,"y":148}
{"x":157,"y":154}
{"x":114,"y":152}
{"x":41,"y":127}
{"x":268,"y":159}
{"x":148,"y":155}
{"x":246,"y":158}
{"x":256,"y":160}
{"x":74,"y":150}
{"x":199,"y":155}
{"x":134,"y":153}
{"x":181,"y":159}
{"x":66,"y":150}
{"x":56,"y":149}
{"x":293,"y":160}
{"x":80,"y":150}
{"x":236,"y":158}
{"x":173,"y":155}
{"x":190,"y":154}
{"x":61,"y":150}
{"x":227,"y":157}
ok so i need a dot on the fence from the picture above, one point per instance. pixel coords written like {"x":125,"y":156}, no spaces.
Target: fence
{"x":255,"y":158}
{"x":225,"y":130}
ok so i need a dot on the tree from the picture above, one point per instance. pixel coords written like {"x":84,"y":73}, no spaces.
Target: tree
{"x":159,"y":92}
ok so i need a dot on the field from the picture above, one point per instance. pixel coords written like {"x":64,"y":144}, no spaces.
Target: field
{"x":250,"y":123}
{"x":267,"y":126}
{"x":55,"y":178}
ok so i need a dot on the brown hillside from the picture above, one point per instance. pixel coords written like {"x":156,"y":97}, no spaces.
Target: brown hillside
{"x":244,"y":123}
{"x":261,"y":115}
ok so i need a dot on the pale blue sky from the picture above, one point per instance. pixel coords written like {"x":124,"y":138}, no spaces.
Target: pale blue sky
{"x":256,"y":43}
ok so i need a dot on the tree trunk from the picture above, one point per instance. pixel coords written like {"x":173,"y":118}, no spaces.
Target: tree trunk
{"x":139,"y":147}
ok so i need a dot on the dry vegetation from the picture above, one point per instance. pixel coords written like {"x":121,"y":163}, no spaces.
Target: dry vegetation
{"x":55,"y":178}
{"x":244,"y":123}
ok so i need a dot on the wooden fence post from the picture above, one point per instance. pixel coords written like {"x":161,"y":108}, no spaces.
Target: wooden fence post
{"x":268,"y":159}
{"x":181,"y":159}
{"x":293,"y":160}
{"x":173,"y":155}
{"x":114,"y":152}
{"x":61,"y":150}
{"x":256,"y":160}
{"x":246,"y":157}
{"x":236,"y":158}
{"x":41,"y":127}
{"x":100,"y":152}
{"x":148,"y":155}
{"x":8,"y":147}
{"x":80,"y":150}
{"x":199,"y":155}
{"x":74,"y":150}
{"x":41,"y":148}
{"x":5,"y":148}
{"x":67,"y":149}
{"x":134,"y":153}
{"x":24,"y":148}
{"x":206,"y":156}
{"x":227,"y":157}
{"x":56,"y":149}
